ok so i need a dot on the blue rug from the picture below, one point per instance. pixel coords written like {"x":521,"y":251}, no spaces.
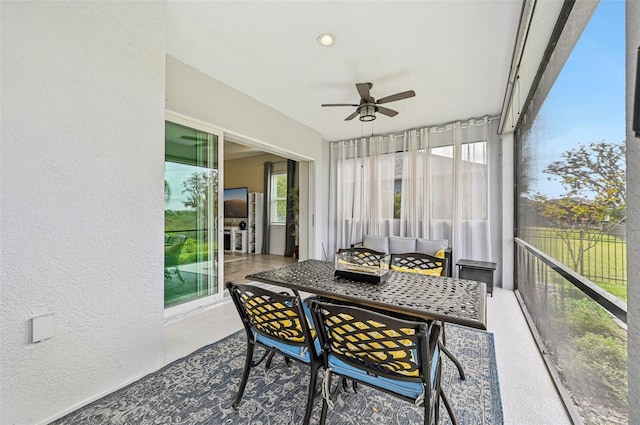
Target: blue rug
{"x":200,"y":388}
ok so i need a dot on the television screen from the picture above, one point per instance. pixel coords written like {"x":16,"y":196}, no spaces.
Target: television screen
{"x":236,"y":202}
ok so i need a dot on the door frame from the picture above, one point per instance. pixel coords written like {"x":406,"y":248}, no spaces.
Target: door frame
{"x":208,"y":300}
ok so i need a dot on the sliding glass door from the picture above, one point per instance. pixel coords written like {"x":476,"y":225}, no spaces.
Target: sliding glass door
{"x":191,"y":270}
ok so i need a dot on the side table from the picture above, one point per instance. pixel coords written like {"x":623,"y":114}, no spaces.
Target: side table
{"x":477,"y":270}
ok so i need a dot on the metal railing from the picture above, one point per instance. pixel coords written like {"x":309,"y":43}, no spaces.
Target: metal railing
{"x":581,"y":331}
{"x":604,"y":262}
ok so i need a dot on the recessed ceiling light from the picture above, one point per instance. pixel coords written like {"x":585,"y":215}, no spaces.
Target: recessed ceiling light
{"x":326,"y":39}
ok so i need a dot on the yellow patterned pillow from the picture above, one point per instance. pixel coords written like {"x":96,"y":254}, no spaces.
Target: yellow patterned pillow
{"x":439,"y":254}
{"x":432,"y":272}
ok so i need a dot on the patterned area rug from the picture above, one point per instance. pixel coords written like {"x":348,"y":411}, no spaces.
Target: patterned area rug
{"x":200,"y":388}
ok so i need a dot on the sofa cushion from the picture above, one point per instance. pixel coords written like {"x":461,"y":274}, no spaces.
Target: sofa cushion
{"x":431,"y":246}
{"x":398,"y":245}
{"x":376,"y":243}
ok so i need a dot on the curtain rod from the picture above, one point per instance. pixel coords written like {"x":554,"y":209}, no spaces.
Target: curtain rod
{"x":437,"y":127}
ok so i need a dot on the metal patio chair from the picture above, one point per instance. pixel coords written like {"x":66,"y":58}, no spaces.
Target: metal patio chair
{"x":278,"y":323}
{"x":172,"y":248}
{"x":396,"y":356}
{"x":416,"y":262}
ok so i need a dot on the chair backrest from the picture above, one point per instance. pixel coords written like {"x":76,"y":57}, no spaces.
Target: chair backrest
{"x":416,"y":262}
{"x":278,"y":316}
{"x":375,"y":342}
{"x":173,"y":248}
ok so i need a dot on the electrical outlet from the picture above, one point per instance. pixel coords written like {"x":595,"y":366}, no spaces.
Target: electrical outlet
{"x":42,"y":327}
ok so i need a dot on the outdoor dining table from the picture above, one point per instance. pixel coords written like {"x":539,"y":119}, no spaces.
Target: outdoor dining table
{"x":446,"y":299}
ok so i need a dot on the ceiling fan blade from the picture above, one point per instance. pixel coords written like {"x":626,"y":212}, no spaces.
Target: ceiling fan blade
{"x":397,"y":96}
{"x":338,"y":104}
{"x":386,"y":111}
{"x":363,"y":90}
{"x":352,"y":116}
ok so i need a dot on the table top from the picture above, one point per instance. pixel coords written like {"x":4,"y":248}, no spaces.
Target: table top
{"x":447,"y":299}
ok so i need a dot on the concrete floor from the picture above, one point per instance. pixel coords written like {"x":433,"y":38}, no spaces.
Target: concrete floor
{"x":528,"y":394}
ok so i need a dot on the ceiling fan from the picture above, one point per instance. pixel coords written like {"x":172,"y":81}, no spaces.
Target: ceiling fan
{"x":196,"y":139}
{"x":368,"y":106}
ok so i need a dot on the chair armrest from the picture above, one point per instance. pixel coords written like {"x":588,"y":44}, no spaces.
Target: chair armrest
{"x":448,"y":254}
{"x":356,"y":245}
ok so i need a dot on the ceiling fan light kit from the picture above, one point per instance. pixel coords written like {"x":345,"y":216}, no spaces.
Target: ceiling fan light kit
{"x":367,"y":113}
{"x":368,"y":106}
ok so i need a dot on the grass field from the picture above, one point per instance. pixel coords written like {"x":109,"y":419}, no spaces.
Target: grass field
{"x":605,"y":263}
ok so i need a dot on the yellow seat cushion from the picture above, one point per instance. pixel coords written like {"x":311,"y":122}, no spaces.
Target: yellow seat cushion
{"x":431,"y":272}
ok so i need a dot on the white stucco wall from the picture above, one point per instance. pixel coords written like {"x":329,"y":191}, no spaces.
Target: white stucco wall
{"x":81,"y":219}
{"x":633,"y":217}
{"x":199,"y":96}
{"x":507,"y":214}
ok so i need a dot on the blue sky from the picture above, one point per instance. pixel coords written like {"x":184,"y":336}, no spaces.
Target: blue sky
{"x":587,"y":101}
{"x":175,"y":174}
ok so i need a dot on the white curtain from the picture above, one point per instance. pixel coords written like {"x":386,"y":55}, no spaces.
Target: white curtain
{"x":429,"y":183}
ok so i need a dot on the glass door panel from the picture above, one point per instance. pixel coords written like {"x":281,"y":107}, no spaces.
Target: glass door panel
{"x":191,"y":208}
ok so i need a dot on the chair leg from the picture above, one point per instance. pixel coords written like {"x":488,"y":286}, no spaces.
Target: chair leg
{"x":245,"y":375}
{"x":449,"y":354}
{"x":325,"y":405}
{"x":436,"y":408}
{"x":447,"y":405}
{"x":269,"y":359}
{"x":179,"y":275}
{"x":455,"y":361}
{"x":312,"y":390}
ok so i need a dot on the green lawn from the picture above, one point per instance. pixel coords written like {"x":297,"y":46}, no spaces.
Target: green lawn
{"x":605,"y":263}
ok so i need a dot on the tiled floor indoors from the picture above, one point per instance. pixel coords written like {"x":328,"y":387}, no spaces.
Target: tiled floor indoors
{"x":528,"y":394}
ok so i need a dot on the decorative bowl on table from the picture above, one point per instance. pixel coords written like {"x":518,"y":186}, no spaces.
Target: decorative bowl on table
{"x":362,"y":264}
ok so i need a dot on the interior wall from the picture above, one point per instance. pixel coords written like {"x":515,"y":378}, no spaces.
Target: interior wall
{"x":82,"y":201}
{"x":248,"y":171}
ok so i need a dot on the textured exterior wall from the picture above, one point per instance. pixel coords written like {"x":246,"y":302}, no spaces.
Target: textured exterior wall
{"x":199,"y":96}
{"x":81,"y":219}
{"x":507,"y":213}
{"x":633,"y":217}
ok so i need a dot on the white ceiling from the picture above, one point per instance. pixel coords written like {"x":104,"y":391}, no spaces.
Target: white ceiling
{"x":454,"y":54}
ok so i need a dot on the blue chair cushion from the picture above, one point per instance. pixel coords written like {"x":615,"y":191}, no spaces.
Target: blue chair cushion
{"x":405,"y":388}
{"x":297,"y":351}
